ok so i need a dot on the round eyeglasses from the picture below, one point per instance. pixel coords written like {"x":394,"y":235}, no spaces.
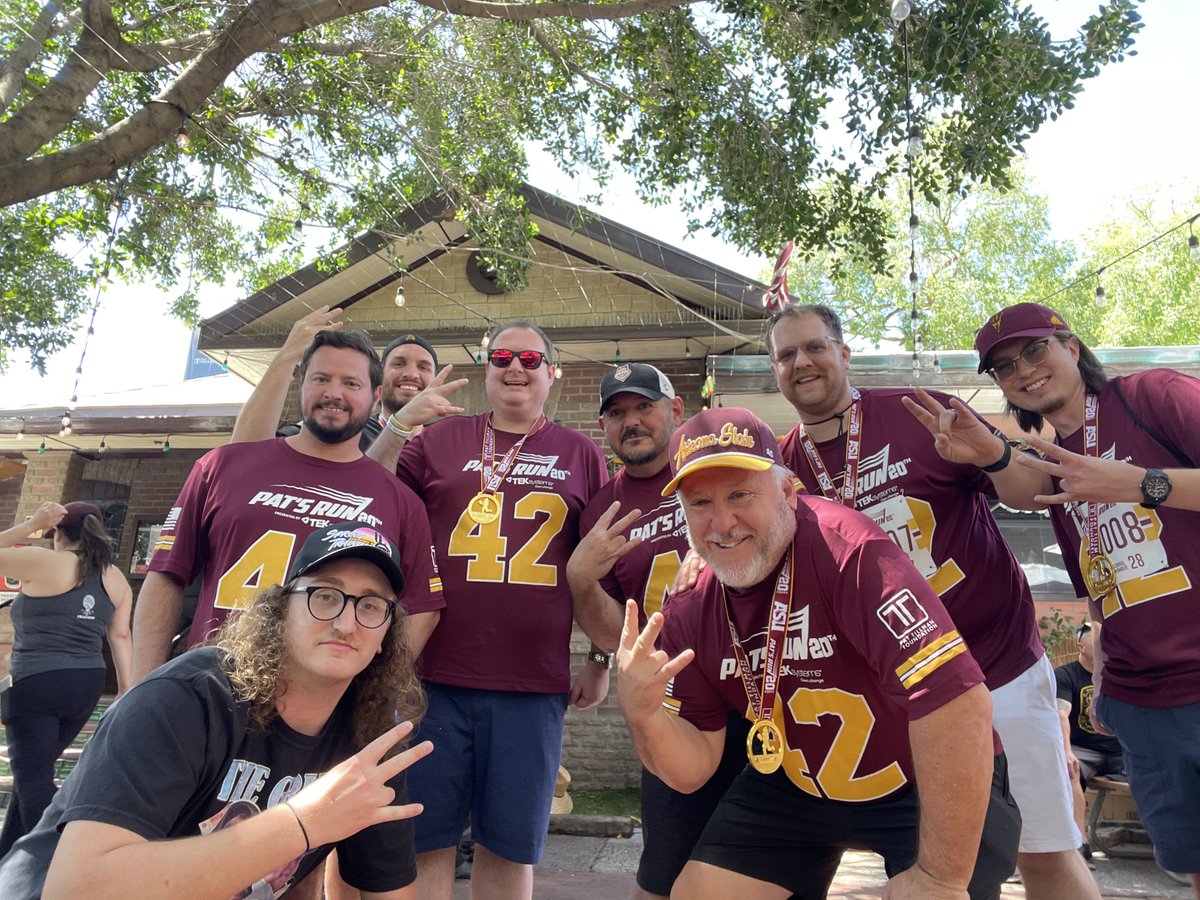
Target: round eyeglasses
{"x":326,"y":603}
{"x":1033,"y":354}
{"x":529,"y":359}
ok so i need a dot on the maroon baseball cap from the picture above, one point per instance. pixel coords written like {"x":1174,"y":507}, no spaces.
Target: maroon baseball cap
{"x":1030,"y":320}
{"x":729,"y":437}
{"x":77,"y":511}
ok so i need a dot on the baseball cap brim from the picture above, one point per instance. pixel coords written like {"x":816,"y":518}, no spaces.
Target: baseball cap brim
{"x":1043,"y":332}
{"x":641,"y":392}
{"x":731,"y":460}
{"x":381,"y":561}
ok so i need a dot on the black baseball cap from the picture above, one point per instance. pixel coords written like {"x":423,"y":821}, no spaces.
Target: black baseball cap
{"x":411,"y":339}
{"x":635,"y":378}
{"x":349,"y":540}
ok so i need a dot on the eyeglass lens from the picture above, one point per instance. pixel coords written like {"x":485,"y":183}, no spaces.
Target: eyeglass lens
{"x":327,"y":603}
{"x":529,"y":359}
{"x":1032,"y":354}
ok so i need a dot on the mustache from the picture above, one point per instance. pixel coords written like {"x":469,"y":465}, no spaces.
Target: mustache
{"x":634,"y":432}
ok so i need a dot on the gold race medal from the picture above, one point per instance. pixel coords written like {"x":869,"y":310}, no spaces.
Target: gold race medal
{"x":770,"y":758}
{"x":1101,"y":574}
{"x":484,"y":508}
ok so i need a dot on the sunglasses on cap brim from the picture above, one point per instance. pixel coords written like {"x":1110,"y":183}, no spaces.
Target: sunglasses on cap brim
{"x":529,"y":359}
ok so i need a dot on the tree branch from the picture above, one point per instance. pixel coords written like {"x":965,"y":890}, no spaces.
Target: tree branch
{"x":579,"y":72}
{"x":12,"y":73}
{"x":256,"y":27}
{"x":524,"y":12}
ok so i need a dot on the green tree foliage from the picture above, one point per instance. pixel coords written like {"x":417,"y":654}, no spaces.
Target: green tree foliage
{"x":762,"y":119}
{"x":975,"y":254}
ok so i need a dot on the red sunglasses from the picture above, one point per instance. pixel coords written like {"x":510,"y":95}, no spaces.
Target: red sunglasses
{"x":529,"y":359}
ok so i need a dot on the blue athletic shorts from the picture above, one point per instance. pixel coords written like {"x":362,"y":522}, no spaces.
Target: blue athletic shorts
{"x":672,"y":822}
{"x":1162,"y":761}
{"x":495,"y":756}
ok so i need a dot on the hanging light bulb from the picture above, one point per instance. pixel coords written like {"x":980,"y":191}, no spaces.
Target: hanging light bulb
{"x":483,"y":344}
{"x":66,"y":420}
{"x":225,"y":362}
{"x":400,"y":294}
{"x":298,"y":226}
{"x":918,"y":342}
{"x":912,"y":282}
{"x":937,"y":365}
{"x":73,"y":402}
{"x":479,"y":357}
{"x":914,"y":226}
{"x":42,"y":446}
{"x":558,"y":370}
{"x":21,"y":430}
{"x":91,"y":330}
{"x":1194,"y":248}
{"x":106,"y":276}
{"x":167,"y":444}
{"x":687,"y":349}
{"x":182,"y":141}
{"x":916,"y":363}
{"x":1101,"y":296}
{"x":900,"y":10}
{"x":617,"y":355}
{"x":103,"y":444}
{"x":916,"y":144}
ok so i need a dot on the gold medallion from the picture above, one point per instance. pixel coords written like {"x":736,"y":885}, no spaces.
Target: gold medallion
{"x":770,"y":758}
{"x":484,"y":508}
{"x":1101,"y":574}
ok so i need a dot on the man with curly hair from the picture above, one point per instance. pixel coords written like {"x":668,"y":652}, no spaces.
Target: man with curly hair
{"x":234,"y":770}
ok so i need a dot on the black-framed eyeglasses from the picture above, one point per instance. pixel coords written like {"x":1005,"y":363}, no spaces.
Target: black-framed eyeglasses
{"x":326,"y":603}
{"x":1004,"y":369}
{"x":529,"y":359}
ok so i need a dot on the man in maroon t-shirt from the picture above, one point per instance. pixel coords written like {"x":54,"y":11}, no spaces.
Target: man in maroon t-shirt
{"x":634,"y":541}
{"x":246,"y":507}
{"x":813,"y":624}
{"x":863,"y":449}
{"x":1125,"y":504}
{"x":504,"y":491}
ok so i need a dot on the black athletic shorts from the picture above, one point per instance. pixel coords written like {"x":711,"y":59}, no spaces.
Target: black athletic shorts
{"x":767,"y":828}
{"x":672,"y":822}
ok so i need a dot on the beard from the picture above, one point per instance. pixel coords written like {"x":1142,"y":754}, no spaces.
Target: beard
{"x":335,"y":435}
{"x":768,"y":550}
{"x":641,"y":457}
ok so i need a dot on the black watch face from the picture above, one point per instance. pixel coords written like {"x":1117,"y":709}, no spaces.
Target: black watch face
{"x":1156,"y":486}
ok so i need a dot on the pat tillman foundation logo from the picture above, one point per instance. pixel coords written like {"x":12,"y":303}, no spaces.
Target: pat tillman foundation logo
{"x":729,"y":436}
{"x":88,"y":613}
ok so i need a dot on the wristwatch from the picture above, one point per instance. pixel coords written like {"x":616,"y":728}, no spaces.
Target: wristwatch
{"x":1156,"y":487}
{"x":597,"y":657}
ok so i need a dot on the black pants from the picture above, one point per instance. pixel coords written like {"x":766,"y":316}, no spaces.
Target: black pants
{"x":42,"y":715}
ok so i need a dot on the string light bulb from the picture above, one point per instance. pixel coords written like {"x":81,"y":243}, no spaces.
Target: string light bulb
{"x":617,"y":355}
{"x":298,"y":226}
{"x":42,"y":446}
{"x":558,"y":370}
{"x":1101,"y":296}
{"x":182,"y":141}
{"x":900,"y":10}
{"x":66,"y":425}
{"x":21,"y":430}
{"x":1193,"y":243}
{"x":914,"y":226}
{"x":479,"y":357}
{"x":687,"y":349}
{"x":103,"y":444}
{"x":937,"y":364}
{"x":106,"y":276}
{"x":166,"y":447}
{"x":400,"y":295}
{"x":483,"y":344}
{"x":73,"y":402}
{"x":225,"y":362}
{"x":916,"y":143}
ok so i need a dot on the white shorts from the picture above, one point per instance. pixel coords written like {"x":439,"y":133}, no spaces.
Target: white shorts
{"x":1025,"y":714}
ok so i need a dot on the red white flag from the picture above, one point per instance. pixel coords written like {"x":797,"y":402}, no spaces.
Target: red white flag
{"x":777,"y":296}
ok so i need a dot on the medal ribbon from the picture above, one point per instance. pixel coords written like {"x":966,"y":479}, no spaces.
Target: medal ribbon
{"x":853,"y":445}
{"x":1091,"y":443}
{"x":491,"y":478}
{"x":763,"y":703}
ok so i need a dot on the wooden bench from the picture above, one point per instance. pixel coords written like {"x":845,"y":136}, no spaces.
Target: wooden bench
{"x":1127,"y":841}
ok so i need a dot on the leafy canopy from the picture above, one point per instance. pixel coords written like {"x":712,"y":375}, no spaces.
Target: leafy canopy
{"x":761,"y":119}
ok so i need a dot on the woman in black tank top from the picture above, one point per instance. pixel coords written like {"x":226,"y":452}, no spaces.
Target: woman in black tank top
{"x":71,"y":598}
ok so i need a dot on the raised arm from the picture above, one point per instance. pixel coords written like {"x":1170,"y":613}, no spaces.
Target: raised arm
{"x":599,"y":614}
{"x":953,"y":760}
{"x":671,"y":747}
{"x":259,"y":416}
{"x":120,"y":638}
{"x":28,"y":564}
{"x":160,"y":603}
{"x":99,"y":860}
{"x":406,"y":423}
{"x":962,"y":437}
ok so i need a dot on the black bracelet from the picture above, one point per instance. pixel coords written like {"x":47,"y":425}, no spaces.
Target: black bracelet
{"x":303,"y":830}
{"x":1002,"y":462}
{"x":599,"y":656}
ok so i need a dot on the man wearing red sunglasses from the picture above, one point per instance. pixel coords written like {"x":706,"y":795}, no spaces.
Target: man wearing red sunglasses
{"x":504,"y":491}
